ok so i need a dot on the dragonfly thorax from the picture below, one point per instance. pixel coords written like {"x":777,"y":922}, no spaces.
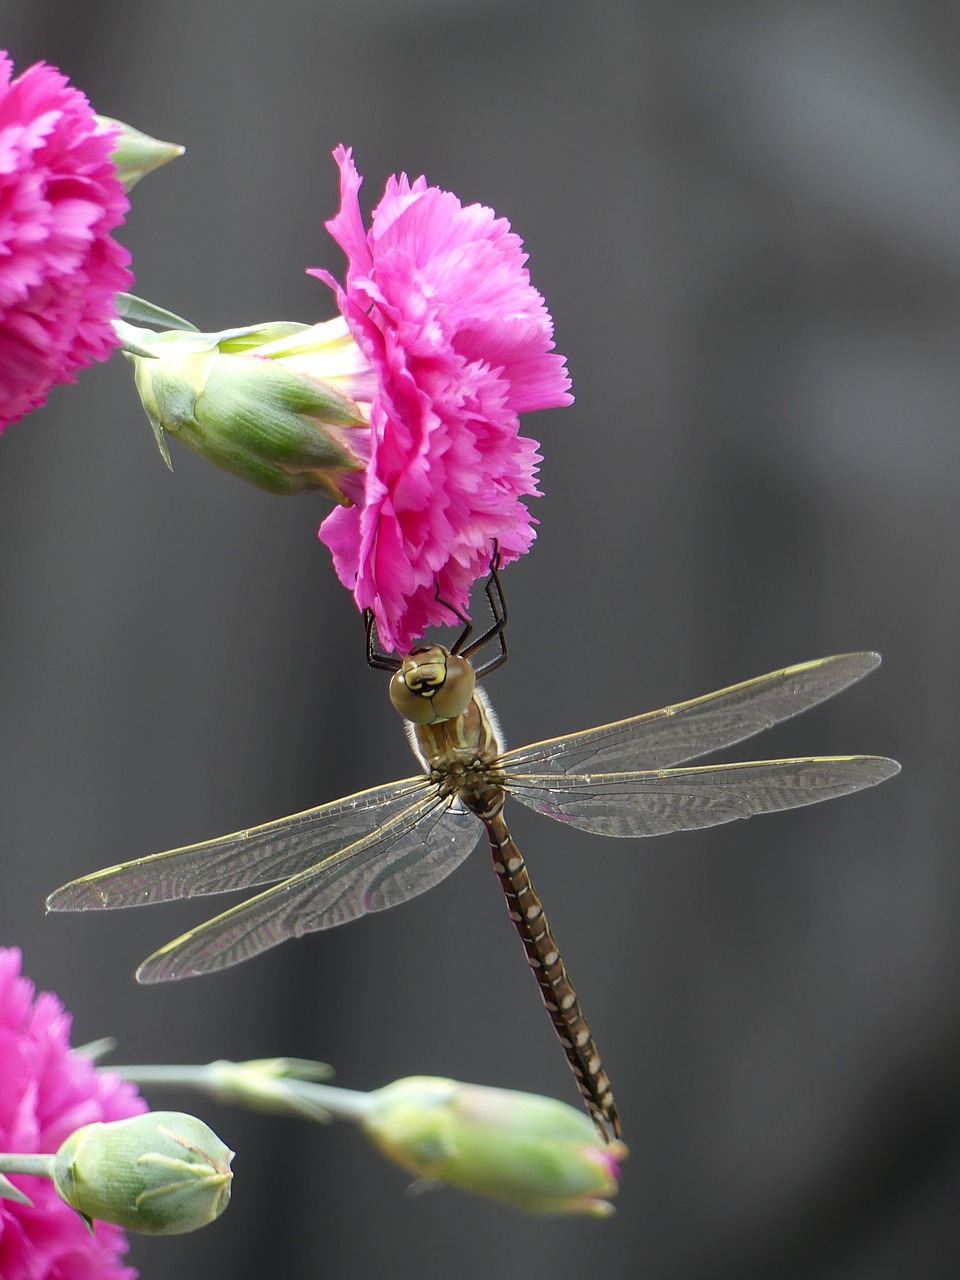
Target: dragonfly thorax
{"x":462,"y":754}
{"x":432,"y":685}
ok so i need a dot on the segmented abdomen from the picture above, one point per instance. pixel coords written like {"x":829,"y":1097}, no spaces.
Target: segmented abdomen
{"x":559,"y":997}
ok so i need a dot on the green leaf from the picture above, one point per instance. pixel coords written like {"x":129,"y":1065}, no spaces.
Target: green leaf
{"x":130,"y":307}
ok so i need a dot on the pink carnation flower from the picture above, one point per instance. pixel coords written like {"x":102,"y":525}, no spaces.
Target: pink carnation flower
{"x":439,"y":301}
{"x":60,"y":271}
{"x":46,"y":1092}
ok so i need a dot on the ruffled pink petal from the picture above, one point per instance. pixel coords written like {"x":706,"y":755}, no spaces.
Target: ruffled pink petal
{"x":438,"y":298}
{"x":60,"y":269}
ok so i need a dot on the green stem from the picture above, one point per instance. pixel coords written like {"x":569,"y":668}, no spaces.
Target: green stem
{"x":186,"y":1076}
{"x":245,"y":1085}
{"x":39,"y":1165}
{"x":344,"y":1104}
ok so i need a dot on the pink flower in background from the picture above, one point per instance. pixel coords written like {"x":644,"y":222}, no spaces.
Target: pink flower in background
{"x":60,"y":271}
{"x":46,"y":1092}
{"x":439,"y":301}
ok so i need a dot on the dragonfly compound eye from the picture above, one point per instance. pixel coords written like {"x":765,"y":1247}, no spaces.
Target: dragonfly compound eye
{"x":432,"y":684}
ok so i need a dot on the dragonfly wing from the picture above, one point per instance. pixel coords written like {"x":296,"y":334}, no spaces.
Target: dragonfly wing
{"x":259,"y":855}
{"x":655,"y":802}
{"x":410,"y":855}
{"x":687,"y":730}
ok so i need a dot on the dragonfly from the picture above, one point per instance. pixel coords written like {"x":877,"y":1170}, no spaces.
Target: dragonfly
{"x":383,"y":846}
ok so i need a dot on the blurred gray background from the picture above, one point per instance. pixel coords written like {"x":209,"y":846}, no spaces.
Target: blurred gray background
{"x":745,"y":218}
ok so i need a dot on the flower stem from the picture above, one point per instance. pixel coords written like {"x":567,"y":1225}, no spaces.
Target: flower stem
{"x":262,"y":1086}
{"x":39,"y":1165}
{"x":188,"y":1077}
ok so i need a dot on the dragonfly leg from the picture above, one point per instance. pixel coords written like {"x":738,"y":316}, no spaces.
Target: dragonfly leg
{"x":498,"y":608}
{"x":559,"y":997}
{"x":376,"y":658}
{"x":381,"y":661}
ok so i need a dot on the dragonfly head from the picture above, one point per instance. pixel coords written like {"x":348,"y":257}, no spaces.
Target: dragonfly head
{"x":432,"y":684}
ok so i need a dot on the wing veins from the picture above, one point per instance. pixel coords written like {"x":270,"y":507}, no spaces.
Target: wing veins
{"x":656,"y":802}
{"x":271,"y":917}
{"x":687,"y":730}
{"x":265,"y":854}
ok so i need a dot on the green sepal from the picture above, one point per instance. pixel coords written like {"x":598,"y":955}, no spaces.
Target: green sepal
{"x":95,"y":1049}
{"x":277,"y":1086}
{"x":238,"y":341}
{"x":161,"y":440}
{"x":140,"y":311}
{"x":297,"y":1068}
{"x":135,"y":153}
{"x":9,"y":1192}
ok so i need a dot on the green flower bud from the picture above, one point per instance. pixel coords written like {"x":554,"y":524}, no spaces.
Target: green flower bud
{"x":160,"y":1173}
{"x":531,"y":1152}
{"x":136,"y":154}
{"x":242,"y":399}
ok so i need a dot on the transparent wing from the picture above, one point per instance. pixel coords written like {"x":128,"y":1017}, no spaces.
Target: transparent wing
{"x":690,"y":729}
{"x":655,"y":802}
{"x":259,"y":855}
{"x":415,"y":851}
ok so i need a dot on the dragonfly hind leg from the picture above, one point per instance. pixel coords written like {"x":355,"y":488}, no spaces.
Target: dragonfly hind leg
{"x":559,"y":997}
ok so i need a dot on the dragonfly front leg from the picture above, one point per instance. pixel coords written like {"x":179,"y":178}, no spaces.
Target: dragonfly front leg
{"x":559,"y":997}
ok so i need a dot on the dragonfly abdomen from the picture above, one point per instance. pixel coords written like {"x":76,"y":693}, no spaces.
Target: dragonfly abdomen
{"x":559,"y":997}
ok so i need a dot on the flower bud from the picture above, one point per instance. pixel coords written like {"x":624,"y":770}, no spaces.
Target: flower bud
{"x":531,"y":1152}
{"x":234,"y":398}
{"x":160,"y":1173}
{"x":136,"y":154}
